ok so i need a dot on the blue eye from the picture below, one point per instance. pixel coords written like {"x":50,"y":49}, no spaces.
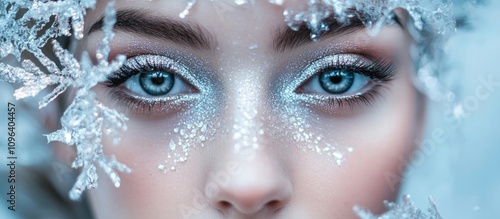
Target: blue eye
{"x":152,"y":76}
{"x":146,"y":83}
{"x":336,"y":81}
{"x":156,"y":83}
{"x":344,"y":75}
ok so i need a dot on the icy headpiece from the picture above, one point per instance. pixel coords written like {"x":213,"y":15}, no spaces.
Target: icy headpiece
{"x":26,"y":26}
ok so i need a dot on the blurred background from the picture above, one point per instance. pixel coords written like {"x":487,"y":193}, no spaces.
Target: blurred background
{"x":460,"y":168}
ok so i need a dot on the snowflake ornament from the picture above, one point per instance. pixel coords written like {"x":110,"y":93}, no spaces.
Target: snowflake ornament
{"x":404,"y":210}
{"x":26,"y":27}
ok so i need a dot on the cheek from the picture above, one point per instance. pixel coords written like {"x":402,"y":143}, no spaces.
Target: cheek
{"x":382,"y":140}
{"x":147,"y":191}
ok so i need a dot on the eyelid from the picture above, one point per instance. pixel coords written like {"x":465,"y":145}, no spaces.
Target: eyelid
{"x":309,"y":86}
{"x":376,"y":70}
{"x":139,"y":63}
{"x":379,"y":71}
{"x":138,"y":104}
{"x":179,"y":87}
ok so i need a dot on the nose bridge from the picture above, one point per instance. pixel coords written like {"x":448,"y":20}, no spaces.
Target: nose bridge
{"x":248,"y":104}
{"x":257,"y":180}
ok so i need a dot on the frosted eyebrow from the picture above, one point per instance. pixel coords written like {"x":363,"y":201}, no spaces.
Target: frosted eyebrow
{"x":287,"y":39}
{"x":179,"y":32}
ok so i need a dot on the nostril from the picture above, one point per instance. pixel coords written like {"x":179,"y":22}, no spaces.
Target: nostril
{"x":275,"y":205}
{"x":256,"y":187}
{"x":224,"y":205}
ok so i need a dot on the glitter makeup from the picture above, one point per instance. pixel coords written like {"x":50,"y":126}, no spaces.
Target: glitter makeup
{"x":185,"y":85}
{"x":293,"y":100}
{"x":193,"y":96}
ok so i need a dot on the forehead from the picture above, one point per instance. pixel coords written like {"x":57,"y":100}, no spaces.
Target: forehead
{"x":219,"y":8}
{"x":222,"y":23}
{"x":217,"y":16}
{"x":238,"y":20}
{"x":220,"y":12}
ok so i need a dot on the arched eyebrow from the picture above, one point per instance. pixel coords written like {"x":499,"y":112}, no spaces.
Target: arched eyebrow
{"x":194,"y":36}
{"x":285,"y":38}
{"x":179,"y":32}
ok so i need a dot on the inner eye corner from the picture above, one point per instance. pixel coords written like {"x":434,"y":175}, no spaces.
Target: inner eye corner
{"x":193,"y":88}
{"x":300,"y":88}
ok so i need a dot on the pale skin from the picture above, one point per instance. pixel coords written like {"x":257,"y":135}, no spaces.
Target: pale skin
{"x":278,"y":179}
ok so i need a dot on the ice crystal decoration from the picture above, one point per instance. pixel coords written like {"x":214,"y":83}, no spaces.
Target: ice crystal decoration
{"x":26,"y":26}
{"x":432,"y":22}
{"x":404,"y":210}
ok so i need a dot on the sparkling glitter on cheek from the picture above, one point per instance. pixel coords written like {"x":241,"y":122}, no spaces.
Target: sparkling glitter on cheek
{"x":300,"y":133}
{"x":198,"y":122}
{"x":293,"y":121}
{"x":197,"y":127}
{"x":184,"y":139}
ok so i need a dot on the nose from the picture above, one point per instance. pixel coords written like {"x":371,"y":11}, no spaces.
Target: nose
{"x":249,"y":175}
{"x":253,"y":186}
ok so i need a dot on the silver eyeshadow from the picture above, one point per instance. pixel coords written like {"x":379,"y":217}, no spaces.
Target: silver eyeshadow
{"x":202,"y":121}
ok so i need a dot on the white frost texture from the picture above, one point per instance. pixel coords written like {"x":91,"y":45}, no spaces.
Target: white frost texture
{"x":27,"y":26}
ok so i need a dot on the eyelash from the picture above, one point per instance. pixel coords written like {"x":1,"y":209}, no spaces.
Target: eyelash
{"x":135,"y":66}
{"x":126,"y":71}
{"x":379,"y":72}
{"x":367,"y":98}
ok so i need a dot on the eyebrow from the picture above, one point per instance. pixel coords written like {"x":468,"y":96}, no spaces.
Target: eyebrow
{"x":286,"y":38}
{"x":180,"y":32}
{"x":193,"y":36}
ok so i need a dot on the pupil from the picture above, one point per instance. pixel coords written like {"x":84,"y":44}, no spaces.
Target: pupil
{"x":157,"y":83}
{"x":157,"y":79}
{"x":336,"y":79}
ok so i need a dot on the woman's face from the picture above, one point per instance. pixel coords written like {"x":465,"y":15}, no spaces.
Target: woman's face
{"x":233,"y":114}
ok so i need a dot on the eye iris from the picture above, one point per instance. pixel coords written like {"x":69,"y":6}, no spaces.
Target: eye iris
{"x":336,"y":81}
{"x":156,"y":83}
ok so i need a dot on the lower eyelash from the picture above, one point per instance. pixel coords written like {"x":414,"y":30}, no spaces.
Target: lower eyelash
{"x":147,"y":106}
{"x":333,"y":104}
{"x":380,"y":72}
{"x":133,"y":104}
{"x":367,"y":98}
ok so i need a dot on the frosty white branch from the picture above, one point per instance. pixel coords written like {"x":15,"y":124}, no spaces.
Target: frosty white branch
{"x":28,"y":26}
{"x":405,"y":209}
